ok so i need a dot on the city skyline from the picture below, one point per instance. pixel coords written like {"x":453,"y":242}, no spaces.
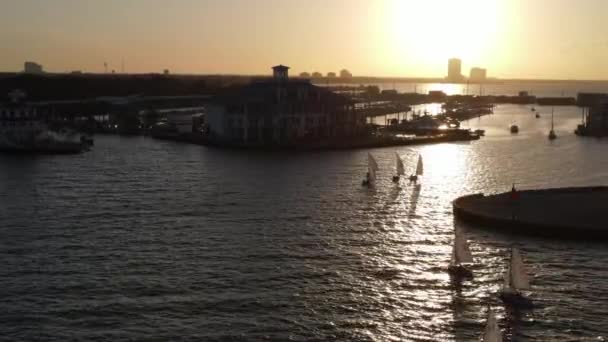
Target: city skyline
{"x":545,"y":39}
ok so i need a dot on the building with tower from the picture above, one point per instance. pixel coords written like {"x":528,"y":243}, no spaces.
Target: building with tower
{"x":281,"y":111}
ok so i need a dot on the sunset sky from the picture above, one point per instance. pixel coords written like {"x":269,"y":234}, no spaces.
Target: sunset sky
{"x":557,"y":39}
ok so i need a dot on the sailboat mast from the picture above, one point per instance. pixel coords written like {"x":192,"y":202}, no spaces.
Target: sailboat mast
{"x":552,"y":110}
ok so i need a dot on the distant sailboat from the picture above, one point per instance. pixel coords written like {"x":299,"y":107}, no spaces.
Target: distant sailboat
{"x":399,"y":168}
{"x":492,"y":331}
{"x":372,"y":168}
{"x":419,"y":170}
{"x":552,"y":135}
{"x":460,"y":255}
{"x":514,"y":129}
{"x":516,"y":279}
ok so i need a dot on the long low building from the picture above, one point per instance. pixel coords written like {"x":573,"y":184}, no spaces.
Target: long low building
{"x":280,"y":111}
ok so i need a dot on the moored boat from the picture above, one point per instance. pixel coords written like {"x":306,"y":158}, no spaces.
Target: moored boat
{"x":26,"y":128}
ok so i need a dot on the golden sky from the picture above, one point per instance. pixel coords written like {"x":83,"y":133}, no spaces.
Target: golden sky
{"x":558,"y":39}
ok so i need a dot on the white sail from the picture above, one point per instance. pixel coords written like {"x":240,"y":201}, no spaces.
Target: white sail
{"x":507,"y":284}
{"x":492,"y":331}
{"x":372,"y":167}
{"x":371,"y":162}
{"x":420,"y":166}
{"x":372,"y":175}
{"x":519,"y":279}
{"x":400,"y":167}
{"x":461,"y":253}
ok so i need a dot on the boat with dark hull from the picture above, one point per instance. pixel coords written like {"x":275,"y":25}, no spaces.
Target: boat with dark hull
{"x":26,"y":128}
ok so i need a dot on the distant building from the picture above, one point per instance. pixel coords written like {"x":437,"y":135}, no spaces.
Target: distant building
{"x":345,"y":74}
{"x":305,"y":75}
{"x":280,"y":111}
{"x":317,"y":74}
{"x":32,"y":68}
{"x":595,"y":122}
{"x":478,"y":75}
{"x":166,"y":72}
{"x":455,"y":70}
{"x":331,"y":75}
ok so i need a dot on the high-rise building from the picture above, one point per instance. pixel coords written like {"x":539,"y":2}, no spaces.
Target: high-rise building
{"x":478,"y":75}
{"x":32,"y":68}
{"x":455,"y":70}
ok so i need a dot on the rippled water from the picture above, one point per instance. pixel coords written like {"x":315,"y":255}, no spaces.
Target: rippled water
{"x":143,"y":239}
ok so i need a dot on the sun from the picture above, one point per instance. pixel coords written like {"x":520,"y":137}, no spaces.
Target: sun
{"x":427,"y":33}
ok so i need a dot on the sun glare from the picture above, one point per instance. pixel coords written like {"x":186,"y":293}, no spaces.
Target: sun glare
{"x":431,"y":31}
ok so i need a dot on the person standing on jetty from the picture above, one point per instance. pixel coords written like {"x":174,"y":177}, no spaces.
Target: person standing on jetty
{"x":514,"y":200}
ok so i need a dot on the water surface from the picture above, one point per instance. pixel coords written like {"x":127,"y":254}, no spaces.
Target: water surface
{"x":149,"y":240}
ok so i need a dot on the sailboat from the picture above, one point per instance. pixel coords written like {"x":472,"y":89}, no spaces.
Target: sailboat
{"x":460,"y":255}
{"x":419,"y":170}
{"x":492,"y":331}
{"x":552,"y":135}
{"x":516,"y":279}
{"x":399,"y":168}
{"x":372,"y":168}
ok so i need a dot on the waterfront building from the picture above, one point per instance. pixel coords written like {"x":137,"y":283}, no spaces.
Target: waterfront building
{"x":32,"y":68}
{"x":478,"y":75}
{"x":331,"y":75}
{"x":455,"y":70}
{"x":25,"y":127}
{"x":305,"y":75}
{"x":595,"y":121}
{"x":280,"y":111}
{"x":317,"y":74}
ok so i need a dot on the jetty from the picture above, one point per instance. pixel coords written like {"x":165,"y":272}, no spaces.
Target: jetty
{"x":569,"y":213}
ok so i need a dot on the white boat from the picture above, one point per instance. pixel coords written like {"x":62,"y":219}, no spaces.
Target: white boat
{"x":372,"y":168}
{"x":516,"y":279}
{"x":419,"y":170}
{"x":461,"y":254}
{"x":492,"y":331}
{"x":552,"y":135}
{"x":30,"y":129}
{"x":400,"y":168}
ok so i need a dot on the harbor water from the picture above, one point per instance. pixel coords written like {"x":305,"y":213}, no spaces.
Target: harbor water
{"x":141,"y":239}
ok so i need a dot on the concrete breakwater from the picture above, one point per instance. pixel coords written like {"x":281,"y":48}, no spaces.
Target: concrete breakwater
{"x":571,"y":213}
{"x":331,"y":144}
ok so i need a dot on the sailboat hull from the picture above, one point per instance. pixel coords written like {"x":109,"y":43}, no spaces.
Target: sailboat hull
{"x":460,"y":272}
{"x":515,"y":299}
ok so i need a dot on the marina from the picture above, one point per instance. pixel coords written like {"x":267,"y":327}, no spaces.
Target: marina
{"x":304,"y":171}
